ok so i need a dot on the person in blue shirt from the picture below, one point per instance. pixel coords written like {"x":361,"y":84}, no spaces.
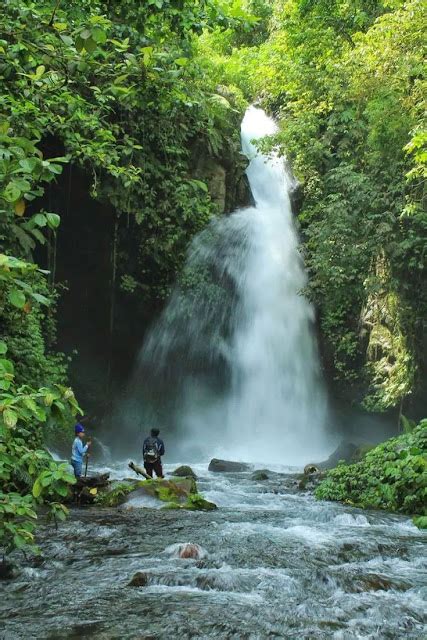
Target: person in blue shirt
{"x":78,"y":450}
{"x":152,"y":450}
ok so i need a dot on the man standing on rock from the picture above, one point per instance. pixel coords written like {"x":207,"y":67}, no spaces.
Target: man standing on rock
{"x":152,"y":450}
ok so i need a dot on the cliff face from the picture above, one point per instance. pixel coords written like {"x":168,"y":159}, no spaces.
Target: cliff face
{"x":108,"y":286}
{"x":225,"y":177}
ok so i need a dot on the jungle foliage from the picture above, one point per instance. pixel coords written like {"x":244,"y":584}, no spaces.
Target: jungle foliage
{"x":115,"y":87}
{"x":130,"y":92}
{"x":391,"y":476}
{"x":347,"y":83}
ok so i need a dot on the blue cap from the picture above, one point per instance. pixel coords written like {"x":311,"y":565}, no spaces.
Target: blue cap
{"x":79,"y":428}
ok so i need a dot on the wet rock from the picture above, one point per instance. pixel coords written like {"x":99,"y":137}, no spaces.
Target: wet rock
{"x":8,"y":570}
{"x":345,"y":451}
{"x":189,"y":550}
{"x":184,"y":472}
{"x":377,"y":582}
{"x":309,"y":469}
{"x":227,"y":466}
{"x":139,"y":579}
{"x":260,"y":475}
{"x":117,"y":492}
{"x":186,"y":551}
{"x":176,"y":491}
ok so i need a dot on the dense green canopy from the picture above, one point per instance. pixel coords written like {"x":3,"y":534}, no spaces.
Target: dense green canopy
{"x":129,"y":92}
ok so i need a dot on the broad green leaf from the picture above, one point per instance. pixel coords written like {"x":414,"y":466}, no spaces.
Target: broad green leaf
{"x":53,"y":220}
{"x":12,"y":193}
{"x":40,"y":219}
{"x":17,"y":298}
{"x":41,"y":299}
{"x":37,"y":488}
{"x":10,"y":418}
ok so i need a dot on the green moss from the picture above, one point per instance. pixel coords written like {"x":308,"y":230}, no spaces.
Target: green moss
{"x":194,"y":502}
{"x":116,"y":494}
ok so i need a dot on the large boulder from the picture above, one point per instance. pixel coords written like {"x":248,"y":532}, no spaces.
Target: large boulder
{"x":177,"y":493}
{"x":176,"y":490}
{"x":345,"y":451}
{"x":117,"y":491}
{"x":226,"y":466}
{"x":260,"y":475}
{"x":184,"y":471}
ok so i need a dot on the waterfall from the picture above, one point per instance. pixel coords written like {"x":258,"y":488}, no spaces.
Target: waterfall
{"x":231,"y":367}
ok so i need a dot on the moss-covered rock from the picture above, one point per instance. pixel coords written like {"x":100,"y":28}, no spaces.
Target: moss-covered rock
{"x":175,"y":490}
{"x":194,"y":502}
{"x":117,"y":492}
{"x":177,"y":493}
{"x":184,"y":471}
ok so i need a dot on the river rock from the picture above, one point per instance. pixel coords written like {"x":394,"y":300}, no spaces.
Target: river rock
{"x":190,"y":551}
{"x":7,"y":570}
{"x":184,"y":472}
{"x":175,"y":492}
{"x":226,"y":466}
{"x":186,"y":550}
{"x":260,"y":475}
{"x":345,"y":451}
{"x":139,"y":579}
{"x":309,"y":469}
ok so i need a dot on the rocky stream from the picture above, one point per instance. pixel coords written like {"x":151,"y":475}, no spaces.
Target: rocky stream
{"x":271,"y":562}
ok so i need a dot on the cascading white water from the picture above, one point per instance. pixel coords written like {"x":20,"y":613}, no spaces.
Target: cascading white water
{"x":235,"y":343}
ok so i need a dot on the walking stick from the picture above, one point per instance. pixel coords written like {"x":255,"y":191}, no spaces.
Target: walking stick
{"x":87,"y":460}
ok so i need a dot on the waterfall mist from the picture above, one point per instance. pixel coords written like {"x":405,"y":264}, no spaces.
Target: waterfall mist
{"x":231,"y":367}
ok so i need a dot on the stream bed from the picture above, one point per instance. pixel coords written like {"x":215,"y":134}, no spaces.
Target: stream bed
{"x":276,"y":564}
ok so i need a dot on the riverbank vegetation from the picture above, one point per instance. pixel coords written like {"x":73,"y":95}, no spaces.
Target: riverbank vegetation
{"x":391,"y":476}
{"x":139,"y":98}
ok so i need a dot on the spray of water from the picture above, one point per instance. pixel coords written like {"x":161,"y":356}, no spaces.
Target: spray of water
{"x":234,"y":350}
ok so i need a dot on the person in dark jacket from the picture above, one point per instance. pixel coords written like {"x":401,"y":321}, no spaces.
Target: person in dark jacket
{"x":152,"y":450}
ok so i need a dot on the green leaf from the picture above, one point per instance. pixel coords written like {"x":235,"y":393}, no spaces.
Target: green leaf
{"x":62,"y":490}
{"x":37,"y":488}
{"x":53,"y":220}
{"x":17,"y":298}
{"x":99,"y":35}
{"x":29,"y":164}
{"x":10,"y":418}
{"x":12,"y":193}
{"x":3,"y":347}
{"x":41,"y":299}
{"x":40,"y":219}
{"x":90,"y":45}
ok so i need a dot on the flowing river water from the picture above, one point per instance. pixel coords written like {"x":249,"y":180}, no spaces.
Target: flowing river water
{"x":275,"y":564}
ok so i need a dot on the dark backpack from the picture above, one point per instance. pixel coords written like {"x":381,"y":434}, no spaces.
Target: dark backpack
{"x":151,"y":450}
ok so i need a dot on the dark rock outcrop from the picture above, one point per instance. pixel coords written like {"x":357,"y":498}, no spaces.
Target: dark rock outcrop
{"x":139,"y":579}
{"x":309,"y":469}
{"x":345,"y":451}
{"x":226,"y":466}
{"x":260,"y":475}
{"x":184,"y":471}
